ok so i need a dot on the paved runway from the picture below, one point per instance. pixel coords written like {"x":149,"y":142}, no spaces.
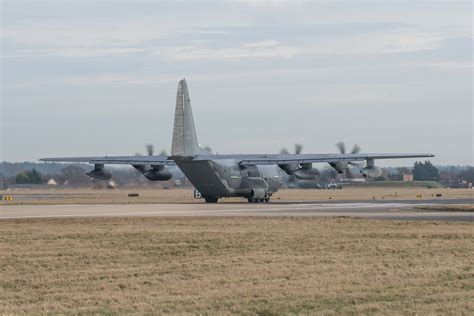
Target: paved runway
{"x":374,"y":210}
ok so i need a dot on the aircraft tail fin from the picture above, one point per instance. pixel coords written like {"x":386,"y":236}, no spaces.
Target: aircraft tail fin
{"x":185,"y":141}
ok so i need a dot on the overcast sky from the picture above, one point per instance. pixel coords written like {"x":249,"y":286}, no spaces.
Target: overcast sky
{"x":100,"y":77}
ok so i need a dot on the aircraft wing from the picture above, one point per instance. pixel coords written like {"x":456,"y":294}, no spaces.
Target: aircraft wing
{"x":279,"y":159}
{"x":117,"y":160}
{"x":242,"y":159}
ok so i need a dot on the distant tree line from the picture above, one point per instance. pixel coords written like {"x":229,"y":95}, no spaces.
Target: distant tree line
{"x":11,"y":169}
{"x":467,"y":175}
{"x":425,"y":171}
{"x":29,"y":177}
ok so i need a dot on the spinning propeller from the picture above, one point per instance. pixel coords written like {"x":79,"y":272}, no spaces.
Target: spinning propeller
{"x":344,"y":166}
{"x":298,"y":150}
{"x":149,"y":149}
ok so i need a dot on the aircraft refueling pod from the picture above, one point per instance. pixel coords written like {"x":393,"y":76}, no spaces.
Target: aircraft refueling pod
{"x":100,"y":173}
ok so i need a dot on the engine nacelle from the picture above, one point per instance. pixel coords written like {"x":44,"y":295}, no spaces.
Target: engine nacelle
{"x":158,"y":173}
{"x":100,"y":173}
{"x":289,"y":168}
{"x":371,"y":171}
{"x":303,"y":171}
{"x":307,"y":172}
{"x":340,"y":166}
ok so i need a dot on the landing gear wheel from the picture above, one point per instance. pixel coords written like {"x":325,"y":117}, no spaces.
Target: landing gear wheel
{"x":210,"y":199}
{"x":253,"y":200}
{"x":267,"y":199}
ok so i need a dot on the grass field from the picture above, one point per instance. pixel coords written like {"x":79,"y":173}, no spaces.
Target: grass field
{"x":120,"y":196}
{"x":236,"y":265}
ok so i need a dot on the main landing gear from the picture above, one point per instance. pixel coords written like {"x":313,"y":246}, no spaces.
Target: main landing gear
{"x":211,"y":199}
{"x":253,"y":200}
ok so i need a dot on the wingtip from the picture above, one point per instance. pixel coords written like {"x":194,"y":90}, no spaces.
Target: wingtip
{"x":183,"y":84}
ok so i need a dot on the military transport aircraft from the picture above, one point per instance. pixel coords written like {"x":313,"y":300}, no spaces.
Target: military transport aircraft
{"x":252,"y":176}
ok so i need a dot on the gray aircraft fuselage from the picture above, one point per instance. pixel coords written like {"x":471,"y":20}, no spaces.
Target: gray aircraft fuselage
{"x":226,"y":178}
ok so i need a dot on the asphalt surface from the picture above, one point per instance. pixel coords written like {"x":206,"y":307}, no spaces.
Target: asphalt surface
{"x":399,"y":210}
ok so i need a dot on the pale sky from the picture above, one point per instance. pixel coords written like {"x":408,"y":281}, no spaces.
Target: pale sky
{"x":83,"y":78}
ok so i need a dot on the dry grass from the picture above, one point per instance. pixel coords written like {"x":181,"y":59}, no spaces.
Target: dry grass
{"x":364,"y":194}
{"x":120,"y":196}
{"x":236,"y":265}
